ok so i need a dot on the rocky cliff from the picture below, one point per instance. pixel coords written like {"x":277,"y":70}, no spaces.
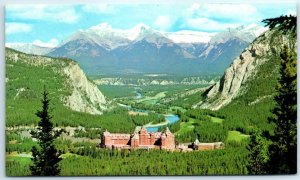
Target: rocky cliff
{"x":234,"y":81}
{"x":79,"y":93}
{"x":85,"y":96}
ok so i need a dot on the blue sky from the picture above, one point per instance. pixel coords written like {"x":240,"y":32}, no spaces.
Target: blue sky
{"x":50,"y":24}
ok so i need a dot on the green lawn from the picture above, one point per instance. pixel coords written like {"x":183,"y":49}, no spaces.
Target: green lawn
{"x":22,"y":164}
{"x":236,"y":136}
{"x":66,"y":155}
{"x":186,"y":126}
{"x":175,"y":108}
{"x":151,"y":100}
{"x":216,"y":119}
{"x":20,"y":159}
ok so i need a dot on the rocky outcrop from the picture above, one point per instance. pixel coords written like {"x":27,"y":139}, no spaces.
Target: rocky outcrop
{"x":85,"y":96}
{"x":243,"y":68}
{"x":121,"y":81}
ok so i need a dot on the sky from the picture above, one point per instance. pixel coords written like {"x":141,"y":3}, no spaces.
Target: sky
{"x":48,"y":25}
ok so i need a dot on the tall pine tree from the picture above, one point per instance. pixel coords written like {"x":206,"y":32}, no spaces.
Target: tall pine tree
{"x":283,"y":150}
{"x":46,"y":157}
{"x":258,"y":156}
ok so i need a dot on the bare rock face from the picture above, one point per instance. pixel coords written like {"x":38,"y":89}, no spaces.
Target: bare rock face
{"x":241,"y":70}
{"x":86,"y":96}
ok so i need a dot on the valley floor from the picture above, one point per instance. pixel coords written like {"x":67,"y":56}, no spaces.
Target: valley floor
{"x":150,"y":108}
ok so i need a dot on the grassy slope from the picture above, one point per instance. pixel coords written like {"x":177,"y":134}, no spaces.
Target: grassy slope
{"x":216,"y":119}
{"x":21,"y":162}
{"x":236,"y":136}
{"x":186,"y":126}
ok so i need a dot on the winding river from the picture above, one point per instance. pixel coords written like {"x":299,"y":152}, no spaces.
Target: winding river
{"x":170,"y":118}
{"x":138,"y":95}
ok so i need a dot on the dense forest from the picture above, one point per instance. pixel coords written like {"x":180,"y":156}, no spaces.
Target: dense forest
{"x":86,"y":159}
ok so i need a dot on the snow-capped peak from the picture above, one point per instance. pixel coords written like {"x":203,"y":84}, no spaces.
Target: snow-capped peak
{"x":246,"y":33}
{"x":105,"y":30}
{"x":140,"y":26}
{"x":135,"y":32}
{"x":11,"y":45}
{"x":30,"y":48}
{"x":186,"y":36}
{"x":251,"y":26}
{"x":256,"y":29}
{"x":101,"y":27}
{"x":108,"y":37}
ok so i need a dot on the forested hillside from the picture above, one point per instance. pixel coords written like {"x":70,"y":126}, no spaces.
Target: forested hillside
{"x":244,"y":96}
{"x":75,"y":101}
{"x":26,"y":76}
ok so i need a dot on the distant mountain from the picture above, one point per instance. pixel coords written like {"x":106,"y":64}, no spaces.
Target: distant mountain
{"x":143,"y":49}
{"x":29,"y":48}
{"x":246,"y":33}
{"x":189,"y":37}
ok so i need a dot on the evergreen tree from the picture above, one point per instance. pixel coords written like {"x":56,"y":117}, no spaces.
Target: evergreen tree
{"x":45,"y":158}
{"x":282,"y":144}
{"x":283,"y":151}
{"x":258,"y":156}
{"x":283,"y":147}
{"x":284,"y":23}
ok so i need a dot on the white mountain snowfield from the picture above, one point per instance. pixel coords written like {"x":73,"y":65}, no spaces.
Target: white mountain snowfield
{"x":187,"y":36}
{"x":30,"y":48}
{"x":246,"y":33}
{"x":110,"y":38}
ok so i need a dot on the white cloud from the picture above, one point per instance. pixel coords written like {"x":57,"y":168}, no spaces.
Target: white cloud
{"x":51,"y":43}
{"x":224,"y":11}
{"x":99,"y":8}
{"x":163,"y":22}
{"x":216,"y":17}
{"x":68,"y":16}
{"x":61,"y":13}
{"x":208,"y":24}
{"x":12,"y":28}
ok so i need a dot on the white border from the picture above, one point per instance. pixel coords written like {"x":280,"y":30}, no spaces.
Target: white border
{"x":2,"y":81}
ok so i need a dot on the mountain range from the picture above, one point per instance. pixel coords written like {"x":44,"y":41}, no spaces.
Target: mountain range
{"x":102,"y":49}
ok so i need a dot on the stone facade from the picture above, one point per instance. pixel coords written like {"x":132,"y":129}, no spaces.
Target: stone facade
{"x":140,"y":139}
{"x":207,"y":146}
{"x":198,"y":146}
